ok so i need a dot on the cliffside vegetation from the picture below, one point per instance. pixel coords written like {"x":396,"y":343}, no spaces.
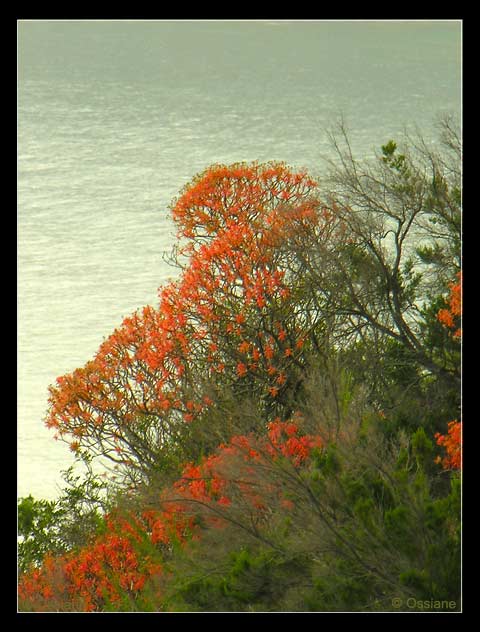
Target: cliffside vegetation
{"x":284,"y":427}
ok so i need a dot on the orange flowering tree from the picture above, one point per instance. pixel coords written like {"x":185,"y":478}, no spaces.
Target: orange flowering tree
{"x":123,"y":567}
{"x":109,"y":573}
{"x":248,"y":476}
{"x":234,"y":317}
{"x":284,"y":500}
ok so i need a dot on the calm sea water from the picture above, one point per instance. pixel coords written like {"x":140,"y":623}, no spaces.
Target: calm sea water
{"x":115,"y":117}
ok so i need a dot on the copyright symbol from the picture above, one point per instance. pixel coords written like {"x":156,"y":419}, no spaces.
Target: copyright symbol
{"x":396,"y":602}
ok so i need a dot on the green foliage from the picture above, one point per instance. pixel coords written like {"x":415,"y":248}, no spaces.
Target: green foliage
{"x":37,"y":521}
{"x":250,"y":579}
{"x":57,"y":526}
{"x":422,"y":448}
{"x":369,"y":524}
{"x":394,"y":160}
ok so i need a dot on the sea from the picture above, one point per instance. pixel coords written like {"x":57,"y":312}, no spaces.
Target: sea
{"x":115,"y":117}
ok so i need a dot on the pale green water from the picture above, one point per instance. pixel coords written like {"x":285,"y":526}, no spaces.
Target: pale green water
{"x":115,"y":117}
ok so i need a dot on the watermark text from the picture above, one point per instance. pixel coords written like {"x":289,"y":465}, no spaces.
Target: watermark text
{"x":411,"y":603}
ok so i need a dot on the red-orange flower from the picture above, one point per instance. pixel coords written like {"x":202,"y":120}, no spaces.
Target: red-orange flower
{"x":241,"y":369}
{"x":450,"y":316}
{"x":452,"y":442}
